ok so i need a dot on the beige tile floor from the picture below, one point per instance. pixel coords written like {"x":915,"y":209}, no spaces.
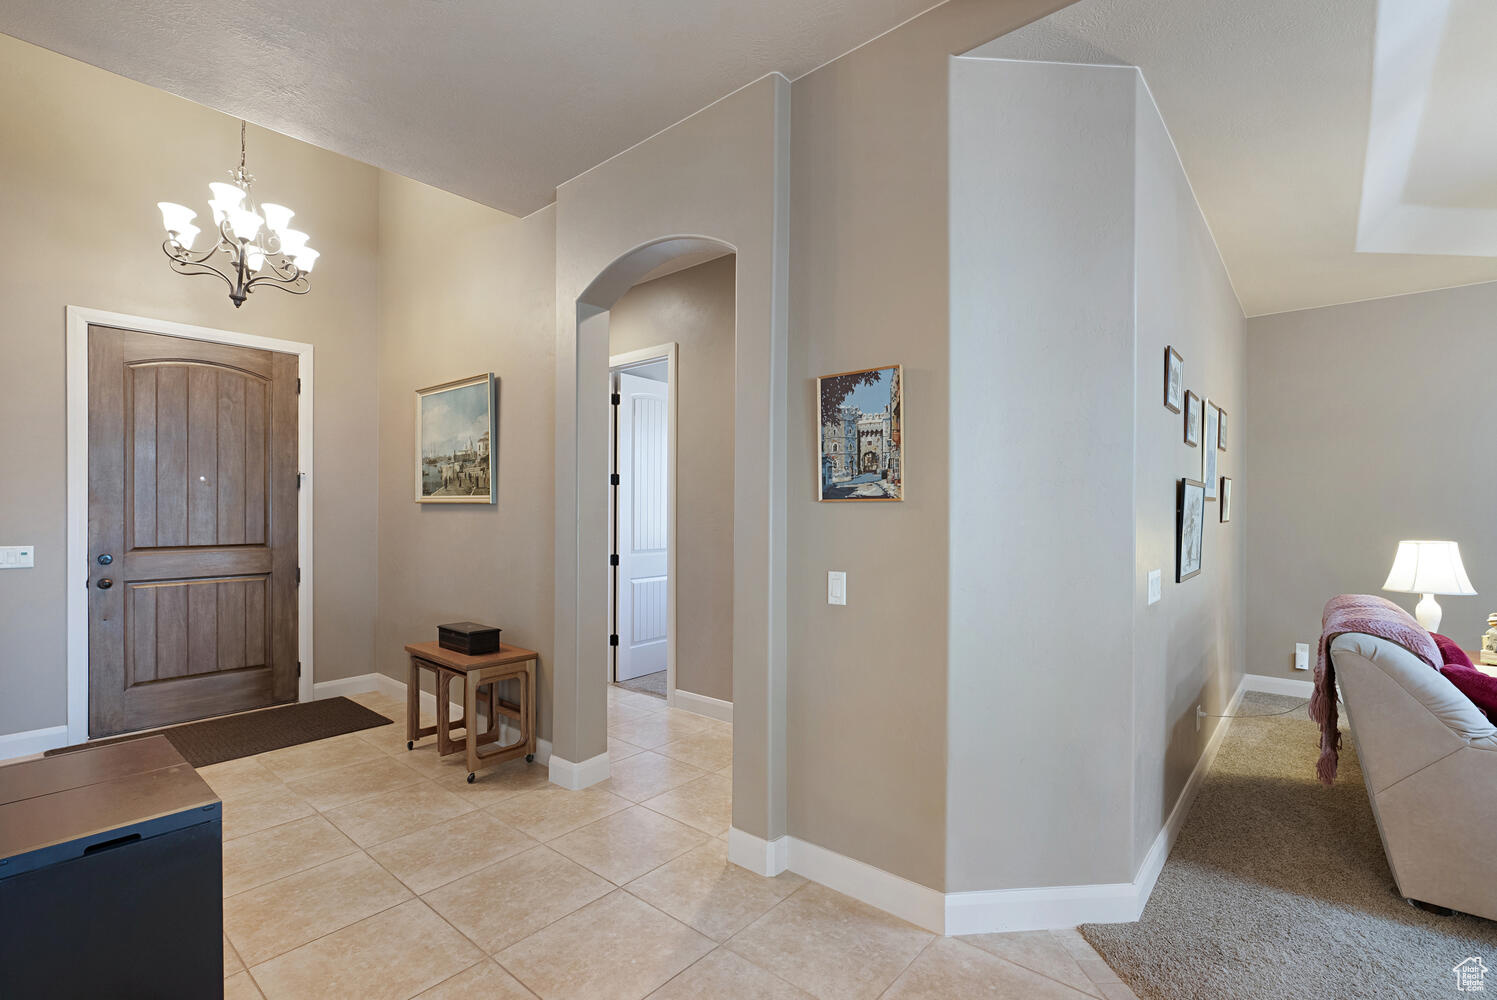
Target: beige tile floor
{"x":354,"y":868}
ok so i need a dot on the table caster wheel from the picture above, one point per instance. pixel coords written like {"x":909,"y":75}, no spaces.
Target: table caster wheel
{"x":472,"y":777}
{"x":530,"y":758}
{"x":410,"y":744}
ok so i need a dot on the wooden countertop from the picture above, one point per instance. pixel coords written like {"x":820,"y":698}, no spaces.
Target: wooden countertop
{"x":462,"y":663}
{"x":66,"y":797}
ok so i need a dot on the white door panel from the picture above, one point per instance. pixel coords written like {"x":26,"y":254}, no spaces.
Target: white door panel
{"x":643,"y":520}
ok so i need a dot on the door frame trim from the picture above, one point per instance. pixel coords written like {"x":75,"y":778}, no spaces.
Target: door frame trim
{"x":79,"y":319}
{"x":631,"y":359}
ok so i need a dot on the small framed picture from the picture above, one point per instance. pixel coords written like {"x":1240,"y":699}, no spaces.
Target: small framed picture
{"x":1226,"y":500}
{"x":1192,"y":419}
{"x":1190,"y":528}
{"x":1221,"y":430}
{"x":1174,"y":379}
{"x":456,"y":426}
{"x":862,"y":435}
{"x":1208,"y":451}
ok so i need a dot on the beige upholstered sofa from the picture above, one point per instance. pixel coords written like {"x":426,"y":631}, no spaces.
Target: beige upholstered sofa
{"x":1430,"y":760}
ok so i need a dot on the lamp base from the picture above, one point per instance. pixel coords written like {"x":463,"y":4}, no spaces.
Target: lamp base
{"x":1428,"y":613}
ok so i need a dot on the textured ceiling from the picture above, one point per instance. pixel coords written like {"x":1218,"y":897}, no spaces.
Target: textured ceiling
{"x":496,"y":100}
{"x":1271,"y":104}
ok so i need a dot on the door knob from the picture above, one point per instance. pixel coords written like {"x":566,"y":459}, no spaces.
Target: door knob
{"x":105,"y":559}
{"x":106,"y":583}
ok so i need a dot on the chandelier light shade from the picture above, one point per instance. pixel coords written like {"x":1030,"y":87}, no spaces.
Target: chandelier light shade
{"x":256,"y":245}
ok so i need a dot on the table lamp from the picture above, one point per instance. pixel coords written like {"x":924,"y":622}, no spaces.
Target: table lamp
{"x":1428,"y":568}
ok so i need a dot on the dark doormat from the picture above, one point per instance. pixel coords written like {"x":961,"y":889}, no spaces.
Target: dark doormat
{"x":214,"y":741}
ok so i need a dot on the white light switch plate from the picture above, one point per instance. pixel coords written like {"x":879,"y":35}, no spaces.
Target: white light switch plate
{"x":1301,"y":656}
{"x":836,"y":587}
{"x":1155,"y":586}
{"x":17,"y":557}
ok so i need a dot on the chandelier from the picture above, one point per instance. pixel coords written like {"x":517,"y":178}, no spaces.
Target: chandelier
{"x":256,"y":244}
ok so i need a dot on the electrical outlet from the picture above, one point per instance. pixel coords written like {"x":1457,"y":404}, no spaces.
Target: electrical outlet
{"x":1301,"y":656}
{"x":1155,"y":586}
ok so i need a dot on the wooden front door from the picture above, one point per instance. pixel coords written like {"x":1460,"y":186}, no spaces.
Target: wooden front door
{"x":192,"y":534}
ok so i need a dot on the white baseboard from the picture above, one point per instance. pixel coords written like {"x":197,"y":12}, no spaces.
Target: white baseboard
{"x":32,"y":741}
{"x":1287,"y":686}
{"x":989,"y":911}
{"x":700,"y":704}
{"x":919,"y":904}
{"x":579,"y":775}
{"x":350,"y":685}
{"x":999,"y":910}
{"x":762,"y":857}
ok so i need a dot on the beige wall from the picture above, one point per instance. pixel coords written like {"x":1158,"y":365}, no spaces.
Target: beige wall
{"x":869,"y":286}
{"x":1190,"y":648}
{"x":84,"y":158}
{"x":693,"y":308}
{"x":465,"y":289}
{"x":1378,"y":429}
{"x":1078,"y":253}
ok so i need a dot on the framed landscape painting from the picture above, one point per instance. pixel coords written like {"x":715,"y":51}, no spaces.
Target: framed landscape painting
{"x":1192,"y":419}
{"x":456,"y":427}
{"x":1174,"y":379}
{"x":861,"y":447}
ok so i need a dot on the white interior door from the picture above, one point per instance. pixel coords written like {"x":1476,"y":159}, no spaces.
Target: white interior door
{"x":643,"y":523}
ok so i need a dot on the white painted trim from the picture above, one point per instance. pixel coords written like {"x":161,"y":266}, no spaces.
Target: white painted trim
{"x":919,"y":904}
{"x":991,"y":911}
{"x":578,"y":776}
{"x":78,"y":321}
{"x":700,"y":704}
{"x":760,"y":856}
{"x":1286,"y":686}
{"x":999,"y":910}
{"x":628,"y":360}
{"x":33,"y":741}
{"x":343,"y":686}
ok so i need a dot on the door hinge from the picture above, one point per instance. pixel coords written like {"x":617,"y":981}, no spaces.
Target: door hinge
{"x":298,"y":670}
{"x":617,"y":399}
{"x":613,"y":479}
{"x":298,"y":479}
{"x":613,"y":559}
{"x":613,"y":640}
{"x":298,"y":387}
{"x":298,"y":576}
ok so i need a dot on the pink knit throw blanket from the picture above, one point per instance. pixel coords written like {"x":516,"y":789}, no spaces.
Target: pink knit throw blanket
{"x":1370,"y":615}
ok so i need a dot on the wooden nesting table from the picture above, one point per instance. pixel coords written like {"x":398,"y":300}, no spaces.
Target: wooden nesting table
{"x":489,"y":670}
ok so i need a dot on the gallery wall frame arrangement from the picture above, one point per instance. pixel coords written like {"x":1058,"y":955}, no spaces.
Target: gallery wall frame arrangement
{"x":1192,"y":419}
{"x":1208,"y":450}
{"x":457,"y":427}
{"x":1190,"y":528}
{"x":860,"y":451}
{"x":1226,"y":500}
{"x":1174,"y":379}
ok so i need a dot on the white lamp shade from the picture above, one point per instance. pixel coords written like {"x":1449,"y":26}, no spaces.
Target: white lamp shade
{"x":176,"y":218}
{"x":228,"y":195}
{"x":254,"y":257}
{"x":246,"y":224}
{"x":220,"y":210}
{"x":305,"y":258}
{"x":277,"y":217}
{"x":293,"y":241}
{"x":186,"y":235}
{"x":1424,"y":567}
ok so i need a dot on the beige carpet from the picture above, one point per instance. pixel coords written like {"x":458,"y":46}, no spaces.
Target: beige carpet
{"x":1278,"y":887}
{"x":653,"y":684}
